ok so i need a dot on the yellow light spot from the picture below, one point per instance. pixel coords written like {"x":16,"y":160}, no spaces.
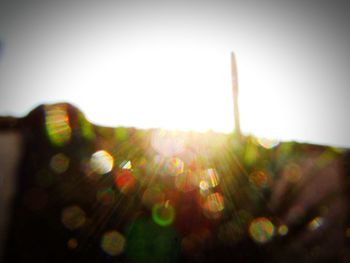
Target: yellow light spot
{"x":212,"y":177}
{"x":113,"y":243}
{"x":208,"y":178}
{"x":101,"y":162}
{"x":203,"y":185}
{"x":316,"y":223}
{"x":261,"y":230}
{"x":283,"y":230}
{"x":57,"y":124}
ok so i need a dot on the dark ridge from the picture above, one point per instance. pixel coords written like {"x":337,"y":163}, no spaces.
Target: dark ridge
{"x":37,"y":233}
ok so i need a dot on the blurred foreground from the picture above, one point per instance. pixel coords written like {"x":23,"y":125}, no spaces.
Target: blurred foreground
{"x":84,"y":193}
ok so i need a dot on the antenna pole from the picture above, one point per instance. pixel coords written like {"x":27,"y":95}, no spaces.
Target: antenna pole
{"x":235,"y":94}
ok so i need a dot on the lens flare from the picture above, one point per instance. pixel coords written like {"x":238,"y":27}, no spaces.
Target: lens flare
{"x":167,"y":143}
{"x":316,"y":223}
{"x":163,"y":214}
{"x":261,"y":230}
{"x":214,"y":203}
{"x":113,"y":243}
{"x":267,"y":143}
{"x":211,"y":176}
{"x":125,"y":181}
{"x":101,"y":162}
{"x":125,"y":165}
{"x":73,"y":217}
{"x":203,"y":185}
{"x":208,"y":178}
{"x":59,"y":163}
{"x":175,"y":166}
{"x":57,"y":125}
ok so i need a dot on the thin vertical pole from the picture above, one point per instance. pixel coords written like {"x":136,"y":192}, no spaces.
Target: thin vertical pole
{"x":234,"y":77}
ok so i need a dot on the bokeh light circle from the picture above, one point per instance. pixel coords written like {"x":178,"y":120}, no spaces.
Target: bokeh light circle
{"x":72,"y":243}
{"x":167,"y":143}
{"x":316,"y":223}
{"x":57,"y":124}
{"x":125,"y":181}
{"x":163,"y":214}
{"x":175,"y":166}
{"x":212,"y":177}
{"x":59,"y":163}
{"x":101,"y":162}
{"x":283,"y":230}
{"x":214,"y":203}
{"x":261,"y":230}
{"x":126,"y":164}
{"x":73,"y":217}
{"x":113,"y":243}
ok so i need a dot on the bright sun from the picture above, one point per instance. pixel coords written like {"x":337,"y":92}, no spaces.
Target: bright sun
{"x":171,"y":86}
{"x":160,"y":86}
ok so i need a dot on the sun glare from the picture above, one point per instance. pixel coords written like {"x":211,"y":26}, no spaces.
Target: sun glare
{"x":172,"y":88}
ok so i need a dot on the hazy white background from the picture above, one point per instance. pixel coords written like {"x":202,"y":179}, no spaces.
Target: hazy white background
{"x":167,"y":64}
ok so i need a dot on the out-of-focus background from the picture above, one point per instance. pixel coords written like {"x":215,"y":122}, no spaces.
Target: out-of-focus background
{"x":167,"y":64}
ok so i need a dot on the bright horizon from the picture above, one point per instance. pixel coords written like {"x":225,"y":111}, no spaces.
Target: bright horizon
{"x":168,"y":66}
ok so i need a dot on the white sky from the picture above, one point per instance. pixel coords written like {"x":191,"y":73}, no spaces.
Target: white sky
{"x":167,"y":64}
